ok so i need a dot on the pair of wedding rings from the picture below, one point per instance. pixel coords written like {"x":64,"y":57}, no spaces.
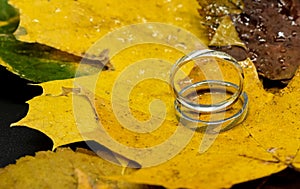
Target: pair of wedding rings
{"x":226,"y":103}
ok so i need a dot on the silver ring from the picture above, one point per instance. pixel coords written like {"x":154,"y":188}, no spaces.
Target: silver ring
{"x":232,"y":120}
{"x":190,"y":113}
{"x":205,"y":54}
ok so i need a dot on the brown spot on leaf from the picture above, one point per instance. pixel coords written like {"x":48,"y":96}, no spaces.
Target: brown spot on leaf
{"x":270,"y":28}
{"x":237,"y":52}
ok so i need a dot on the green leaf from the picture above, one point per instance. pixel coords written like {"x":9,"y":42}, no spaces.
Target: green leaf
{"x":33,"y":61}
{"x":9,"y":18}
{"x":40,"y":63}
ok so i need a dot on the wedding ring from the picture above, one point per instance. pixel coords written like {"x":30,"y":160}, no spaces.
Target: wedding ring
{"x":205,"y":54}
{"x":185,"y":115}
{"x":220,"y":112}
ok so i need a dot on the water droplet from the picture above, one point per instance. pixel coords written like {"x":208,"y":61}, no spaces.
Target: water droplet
{"x":262,"y":60}
{"x":266,"y":45}
{"x":253,"y":56}
{"x":57,"y":10}
{"x":261,"y":40}
{"x":245,"y":36}
{"x":280,"y":37}
{"x":245,"y":19}
{"x":281,"y":60}
{"x":121,"y":39}
{"x":116,"y":21}
{"x":283,"y":50}
{"x":142,"y":72}
{"x":178,"y":18}
{"x":272,"y":150}
{"x":283,"y":67}
{"x":155,"y":33}
{"x":181,"y":45}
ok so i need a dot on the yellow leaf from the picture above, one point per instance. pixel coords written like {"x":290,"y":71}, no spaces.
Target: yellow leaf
{"x":62,"y":169}
{"x":264,"y":143}
{"x":73,"y":26}
{"x":271,"y":126}
{"x":112,"y":108}
{"x":226,"y":34}
{"x":83,"y":180}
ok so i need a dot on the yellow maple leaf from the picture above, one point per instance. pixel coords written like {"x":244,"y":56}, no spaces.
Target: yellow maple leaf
{"x":62,"y":169}
{"x":99,"y":107}
{"x":74,"y":26}
{"x":263,"y":144}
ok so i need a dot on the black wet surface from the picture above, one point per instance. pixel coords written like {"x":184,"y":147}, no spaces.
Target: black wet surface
{"x":16,"y":142}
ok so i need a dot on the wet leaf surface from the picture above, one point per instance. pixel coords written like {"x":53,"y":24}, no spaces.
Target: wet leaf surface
{"x":74,"y":26}
{"x":212,"y":12}
{"x":270,"y":31}
{"x":258,"y":147}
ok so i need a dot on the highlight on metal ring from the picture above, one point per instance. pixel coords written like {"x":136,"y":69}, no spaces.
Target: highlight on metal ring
{"x":205,"y":54}
{"x":232,"y":120}
{"x":222,"y":111}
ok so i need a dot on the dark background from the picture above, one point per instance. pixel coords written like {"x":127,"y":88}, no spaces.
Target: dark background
{"x":16,"y":142}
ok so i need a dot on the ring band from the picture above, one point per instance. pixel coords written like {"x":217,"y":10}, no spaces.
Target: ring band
{"x":235,"y":119}
{"x":186,"y":110}
{"x":206,"y":54}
